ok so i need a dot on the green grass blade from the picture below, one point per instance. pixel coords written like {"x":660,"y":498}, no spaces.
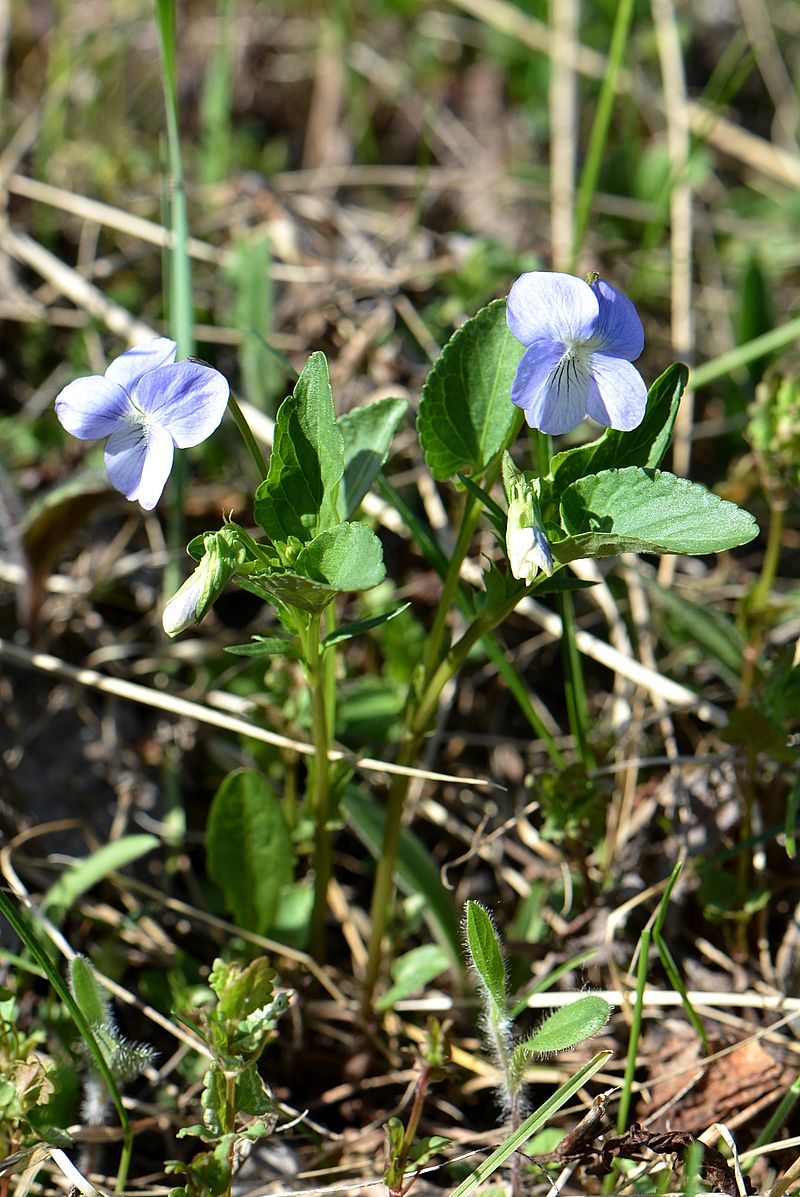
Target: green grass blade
{"x":31,"y":940}
{"x":82,"y":875}
{"x":602,"y":120}
{"x":531,"y":1125}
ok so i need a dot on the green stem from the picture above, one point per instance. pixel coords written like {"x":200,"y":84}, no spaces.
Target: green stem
{"x":250,"y":441}
{"x":757,"y":601}
{"x":574,"y":684}
{"x":759,"y":595}
{"x":598,"y":136}
{"x":626,"y":1093}
{"x":321,"y":736}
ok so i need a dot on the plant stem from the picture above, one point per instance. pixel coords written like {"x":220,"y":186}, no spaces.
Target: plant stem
{"x":470,"y":514}
{"x":574,"y":685}
{"x":252,"y":445}
{"x":316,"y":674}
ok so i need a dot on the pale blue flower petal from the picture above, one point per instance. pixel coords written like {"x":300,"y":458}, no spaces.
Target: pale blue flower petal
{"x":91,"y":408}
{"x":618,"y":394}
{"x":187,"y":399}
{"x":619,"y":329}
{"x":552,"y":388}
{"x":138,"y":462}
{"x":129,"y":367}
{"x":552,"y":307}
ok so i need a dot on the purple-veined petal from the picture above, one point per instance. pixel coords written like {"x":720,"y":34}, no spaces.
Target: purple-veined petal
{"x":619,"y":329}
{"x":186,"y":399}
{"x":91,"y":408}
{"x":552,"y":388}
{"x":552,"y":307}
{"x":618,"y":393}
{"x":129,"y":367}
{"x":138,"y":462}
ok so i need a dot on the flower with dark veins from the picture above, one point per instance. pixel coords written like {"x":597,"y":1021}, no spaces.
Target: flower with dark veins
{"x":581,"y":339}
{"x":147,"y":404}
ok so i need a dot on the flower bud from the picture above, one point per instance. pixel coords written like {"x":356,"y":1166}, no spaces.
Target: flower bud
{"x":774,"y":431}
{"x":526,"y":542}
{"x":223,"y":555}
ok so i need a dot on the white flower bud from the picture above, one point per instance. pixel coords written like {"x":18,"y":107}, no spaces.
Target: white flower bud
{"x":223,"y":554}
{"x":526,"y":542}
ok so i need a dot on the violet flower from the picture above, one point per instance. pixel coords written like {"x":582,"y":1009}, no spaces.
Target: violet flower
{"x":147,"y":404}
{"x":581,"y":338}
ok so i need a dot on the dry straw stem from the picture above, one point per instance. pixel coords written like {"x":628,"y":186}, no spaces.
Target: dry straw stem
{"x":563,"y":104}
{"x":681,"y":219}
{"x":23,"y":897}
{"x":184,"y":708}
{"x":751,"y":151}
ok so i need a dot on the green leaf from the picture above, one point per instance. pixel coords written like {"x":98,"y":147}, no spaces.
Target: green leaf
{"x":86,"y":990}
{"x":357,"y":628}
{"x":413,"y":971}
{"x":566,"y":1027}
{"x":266,"y":646}
{"x":426,"y":1148}
{"x":416,"y":871}
{"x":486,"y":955}
{"x":368,"y":433}
{"x":213,"y":1100}
{"x":81,"y":876}
{"x":298,"y":496}
{"x":249,"y":849}
{"x":466,"y":414}
{"x":251,"y":1094}
{"x":241,"y":991}
{"x":347,"y":557}
{"x":290,"y":590}
{"x":643,"y":446}
{"x":646,"y":511}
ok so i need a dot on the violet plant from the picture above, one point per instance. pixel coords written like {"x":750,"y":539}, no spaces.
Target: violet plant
{"x":560,"y":350}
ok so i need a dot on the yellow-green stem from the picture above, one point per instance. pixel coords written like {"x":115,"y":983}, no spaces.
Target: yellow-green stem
{"x":320,"y":734}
